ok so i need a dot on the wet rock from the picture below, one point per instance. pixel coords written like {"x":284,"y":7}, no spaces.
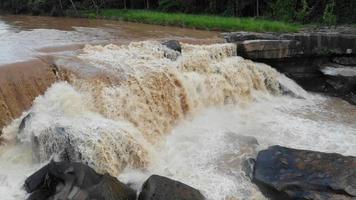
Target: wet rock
{"x":320,"y":43}
{"x":301,"y":56}
{"x":284,"y":173}
{"x":341,"y":81}
{"x":79,"y":144}
{"x":62,"y":147}
{"x":174,"y":49}
{"x":239,"y":160}
{"x":174,"y":45}
{"x":351,"y":98}
{"x":268,"y":49}
{"x":162,"y":188}
{"x":347,"y":61}
{"x":76,"y":181}
{"x":24,"y":121}
{"x":303,"y":44}
{"x":243,"y":36}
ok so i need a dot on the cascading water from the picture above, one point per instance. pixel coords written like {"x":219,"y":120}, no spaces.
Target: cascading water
{"x":151,"y":110}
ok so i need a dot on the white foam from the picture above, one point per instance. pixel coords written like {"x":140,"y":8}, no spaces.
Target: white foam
{"x":340,"y":71}
{"x":293,"y":87}
{"x":196,"y":149}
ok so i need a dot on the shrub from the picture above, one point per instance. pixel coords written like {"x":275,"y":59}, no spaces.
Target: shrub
{"x":303,"y":14}
{"x":329,"y":18}
{"x":171,"y":5}
{"x":283,"y":10}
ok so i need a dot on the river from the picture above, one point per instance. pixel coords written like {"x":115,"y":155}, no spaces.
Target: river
{"x":132,"y":107}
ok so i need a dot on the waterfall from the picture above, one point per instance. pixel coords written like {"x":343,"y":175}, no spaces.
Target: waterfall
{"x":122,"y":108}
{"x":112,"y":125}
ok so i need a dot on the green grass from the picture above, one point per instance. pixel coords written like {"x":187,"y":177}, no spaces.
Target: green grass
{"x":205,"y":22}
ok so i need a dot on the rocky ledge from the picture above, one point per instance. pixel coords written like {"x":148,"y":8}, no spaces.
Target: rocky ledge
{"x":76,"y":181}
{"x":323,"y":60}
{"x":283,"y":173}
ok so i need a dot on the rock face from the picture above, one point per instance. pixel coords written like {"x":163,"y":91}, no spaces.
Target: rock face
{"x":303,"y":56}
{"x":284,"y":173}
{"x":318,"y":43}
{"x":76,"y":181}
{"x":162,"y":188}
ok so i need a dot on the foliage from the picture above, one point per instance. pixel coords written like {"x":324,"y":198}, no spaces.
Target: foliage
{"x":299,"y":11}
{"x":303,"y":14}
{"x":207,"y":22}
{"x":37,"y":5}
{"x":329,"y":18}
{"x":283,"y":10}
{"x":170,"y":5}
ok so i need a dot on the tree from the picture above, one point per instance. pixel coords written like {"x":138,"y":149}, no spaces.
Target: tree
{"x":74,"y":7}
{"x":97,"y":4}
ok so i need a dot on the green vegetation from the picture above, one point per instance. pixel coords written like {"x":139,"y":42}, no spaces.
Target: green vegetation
{"x":329,"y":18}
{"x":323,"y":12}
{"x":207,"y":22}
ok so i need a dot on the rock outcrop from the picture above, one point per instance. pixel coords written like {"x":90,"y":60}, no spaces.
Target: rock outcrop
{"x":304,"y":56}
{"x":76,"y":181}
{"x":162,"y":188}
{"x":284,"y":173}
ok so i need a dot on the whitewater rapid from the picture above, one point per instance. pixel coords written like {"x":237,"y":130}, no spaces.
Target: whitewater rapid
{"x":150,"y":110}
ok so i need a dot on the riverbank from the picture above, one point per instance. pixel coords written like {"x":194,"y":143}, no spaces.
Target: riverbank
{"x":205,"y":22}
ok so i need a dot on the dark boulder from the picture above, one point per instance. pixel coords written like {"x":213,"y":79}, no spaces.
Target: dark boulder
{"x":347,"y":61}
{"x":76,"y":181}
{"x":174,"y":49}
{"x":162,"y":188}
{"x":173,"y":44}
{"x":340,"y":80}
{"x":283,"y":173}
{"x":24,"y":121}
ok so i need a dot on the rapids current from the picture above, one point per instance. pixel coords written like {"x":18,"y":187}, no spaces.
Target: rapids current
{"x":146,"y":109}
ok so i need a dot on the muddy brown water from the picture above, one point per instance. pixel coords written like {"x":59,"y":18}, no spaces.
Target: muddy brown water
{"x":29,"y":44}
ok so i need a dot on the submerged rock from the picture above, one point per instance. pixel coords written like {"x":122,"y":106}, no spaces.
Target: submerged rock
{"x":24,"y":121}
{"x":162,"y":188}
{"x":93,"y":147}
{"x":76,"y":181}
{"x":247,"y":148}
{"x":284,"y":173}
{"x":174,"y":49}
{"x":174,"y":45}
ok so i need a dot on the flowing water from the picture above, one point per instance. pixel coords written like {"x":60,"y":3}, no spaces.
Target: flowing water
{"x":140,"y":108}
{"x":23,"y":37}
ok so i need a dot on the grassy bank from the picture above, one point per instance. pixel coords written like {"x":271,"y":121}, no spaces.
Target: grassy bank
{"x":206,"y":22}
